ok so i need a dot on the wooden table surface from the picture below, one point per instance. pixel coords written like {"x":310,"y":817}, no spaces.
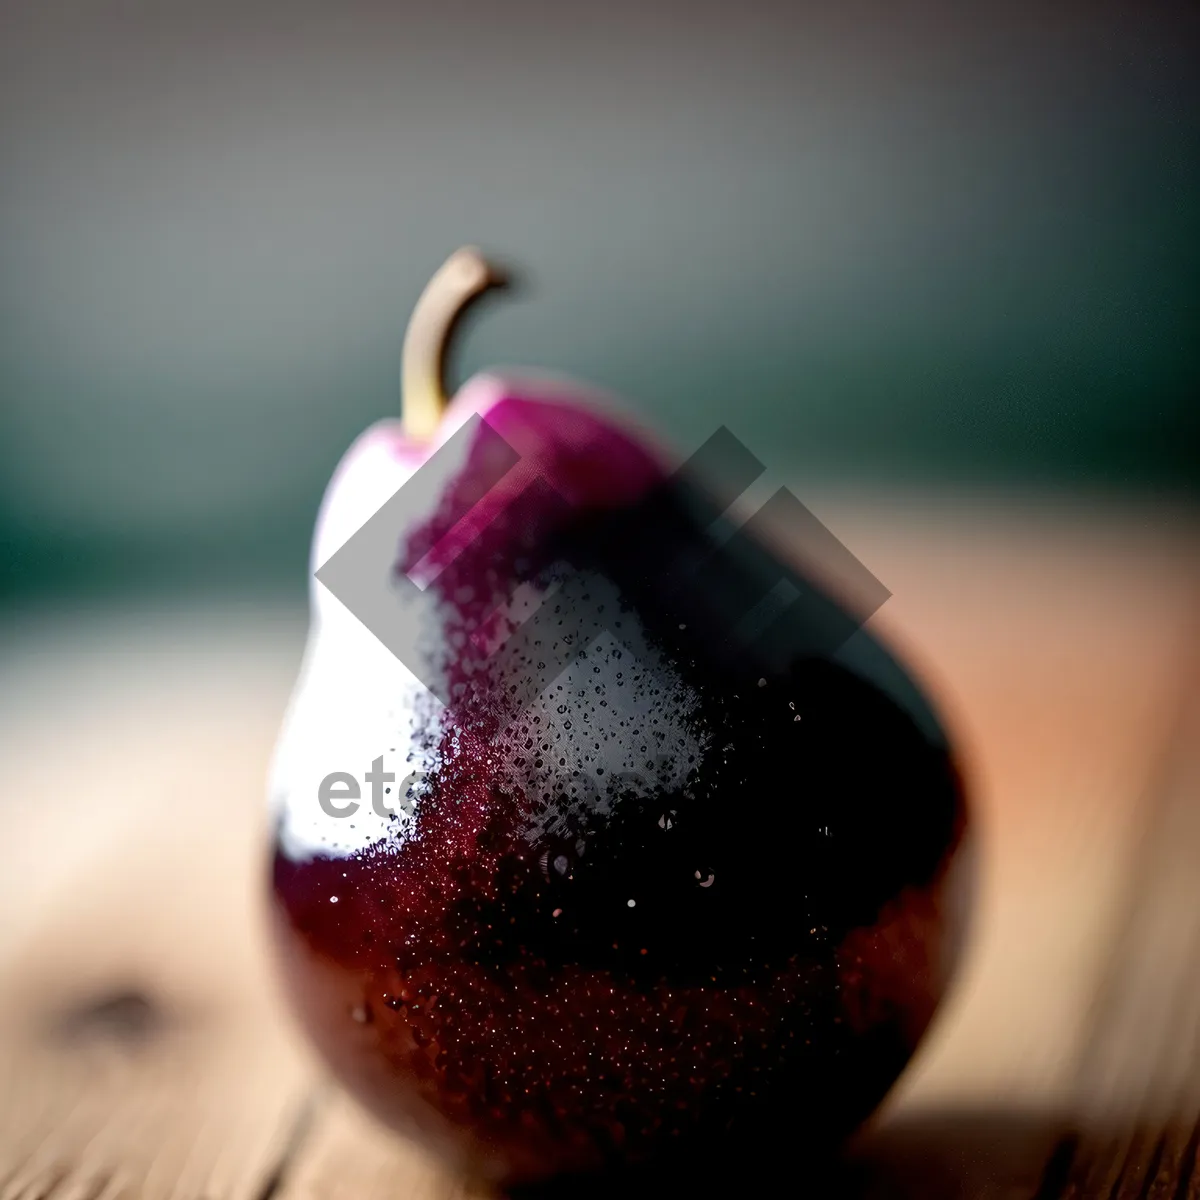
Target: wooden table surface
{"x":144,"y":1051}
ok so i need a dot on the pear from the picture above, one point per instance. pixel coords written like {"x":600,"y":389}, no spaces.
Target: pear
{"x":585,"y":861}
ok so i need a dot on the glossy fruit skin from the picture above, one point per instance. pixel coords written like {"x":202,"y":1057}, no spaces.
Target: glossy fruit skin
{"x":707,"y":883}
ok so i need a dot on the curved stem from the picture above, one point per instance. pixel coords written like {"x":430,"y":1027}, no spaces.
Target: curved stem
{"x":464,"y":276}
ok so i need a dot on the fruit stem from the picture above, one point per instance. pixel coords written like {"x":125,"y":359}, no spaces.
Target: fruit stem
{"x":463,"y":277}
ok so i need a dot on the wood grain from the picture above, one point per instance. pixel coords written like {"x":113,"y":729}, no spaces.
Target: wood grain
{"x":1138,"y":1077}
{"x":144,"y":1051}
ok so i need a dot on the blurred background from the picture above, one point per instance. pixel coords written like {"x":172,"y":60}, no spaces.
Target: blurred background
{"x":937,"y":266}
{"x":882,"y":243}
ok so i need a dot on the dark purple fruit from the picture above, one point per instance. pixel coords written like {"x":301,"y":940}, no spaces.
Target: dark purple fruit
{"x":662,"y":877}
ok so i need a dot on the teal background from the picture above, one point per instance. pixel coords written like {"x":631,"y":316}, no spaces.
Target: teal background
{"x":885,"y":248}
